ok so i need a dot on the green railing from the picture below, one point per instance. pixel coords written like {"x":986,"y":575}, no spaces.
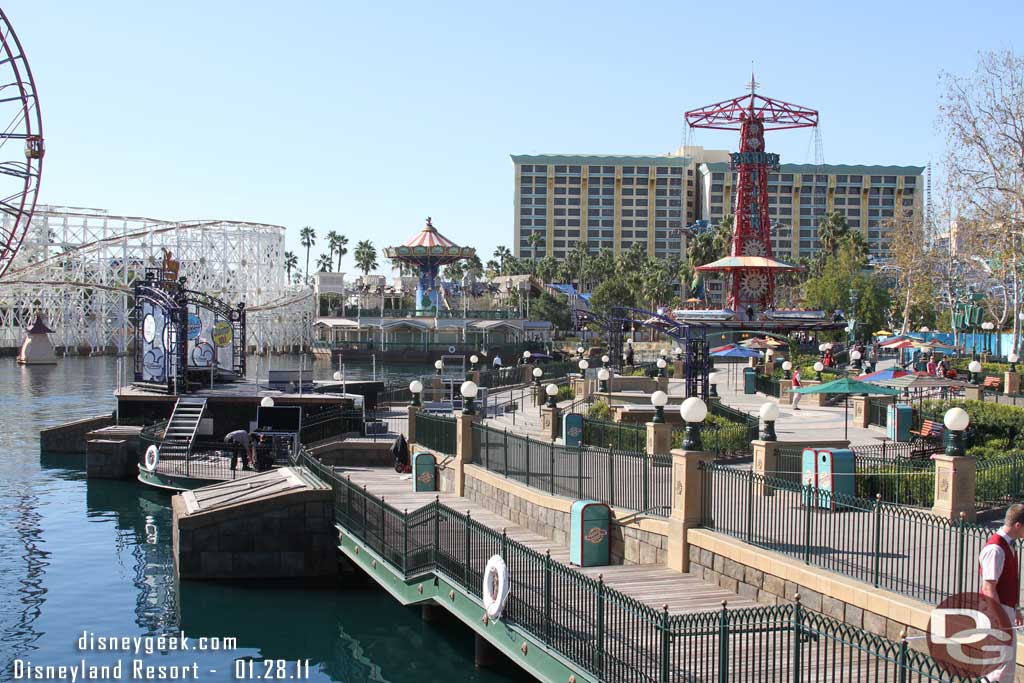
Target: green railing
{"x":889,"y":546}
{"x":628,"y":479}
{"x":611,"y":635}
{"x":1000,"y":480}
{"x":768,"y":386}
{"x":878,"y":411}
{"x":728,"y":441}
{"x":435,"y":432}
{"x":331,"y":423}
{"x":623,"y":436}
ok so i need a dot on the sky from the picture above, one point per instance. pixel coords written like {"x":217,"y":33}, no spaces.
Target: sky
{"x":367,"y":117}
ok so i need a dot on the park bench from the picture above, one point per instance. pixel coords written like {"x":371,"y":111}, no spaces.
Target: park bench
{"x":927,"y":439}
{"x":992,"y":383}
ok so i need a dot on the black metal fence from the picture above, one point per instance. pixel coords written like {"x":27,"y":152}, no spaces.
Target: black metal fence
{"x":435,"y":432}
{"x":610,"y":634}
{"x":623,"y":436}
{"x":999,"y":481}
{"x":768,"y":386}
{"x":207,"y":460}
{"x":889,"y":546}
{"x":628,"y":479}
{"x":878,"y":411}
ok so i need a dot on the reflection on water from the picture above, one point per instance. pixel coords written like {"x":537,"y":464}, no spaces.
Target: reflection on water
{"x":95,"y":556}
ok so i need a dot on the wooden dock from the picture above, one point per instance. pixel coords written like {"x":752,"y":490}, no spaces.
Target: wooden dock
{"x":653,"y":585}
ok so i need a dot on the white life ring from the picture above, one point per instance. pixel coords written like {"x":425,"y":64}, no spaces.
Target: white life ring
{"x":152,"y":458}
{"x":451,"y":349}
{"x":495,"y":588}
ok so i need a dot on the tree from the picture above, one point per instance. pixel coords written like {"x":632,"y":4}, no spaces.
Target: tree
{"x":291,"y":262}
{"x":325,"y":264}
{"x":831,"y":230}
{"x":982,"y":116}
{"x":830,"y":290}
{"x":913,"y":266}
{"x":610,"y":293}
{"x":366,"y":256}
{"x":547,"y":268}
{"x":338,"y":244}
{"x":553,"y":309}
{"x":501,"y":253}
{"x":655,"y":283}
{"x":534,"y":240}
{"x":307,"y":237}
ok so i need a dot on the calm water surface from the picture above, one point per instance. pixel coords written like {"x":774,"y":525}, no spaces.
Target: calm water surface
{"x":78,"y":555}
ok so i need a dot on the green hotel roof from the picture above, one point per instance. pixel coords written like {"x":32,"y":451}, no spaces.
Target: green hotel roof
{"x":602,"y":159}
{"x":832,"y":169}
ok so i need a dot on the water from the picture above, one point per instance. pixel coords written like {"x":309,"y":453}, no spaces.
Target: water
{"x":95,"y":556}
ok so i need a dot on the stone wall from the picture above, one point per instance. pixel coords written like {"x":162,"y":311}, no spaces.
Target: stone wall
{"x":111,"y":459}
{"x":356,"y":454}
{"x":286,"y":536}
{"x":549,"y":516}
{"x":70,"y":437}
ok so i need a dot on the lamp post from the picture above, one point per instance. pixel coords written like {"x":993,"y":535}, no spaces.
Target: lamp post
{"x":1013,"y":358}
{"x":974,"y":367}
{"x":988,"y":326}
{"x":267,"y":402}
{"x":818,"y":367}
{"x":855,"y":356}
{"x":526,"y":357}
{"x":679,"y":353}
{"x":468,"y":390}
{"x":659,"y":399}
{"x":787,"y":367}
{"x":579,"y":351}
{"x":415,"y":387}
{"x":473,"y":360}
{"x":693,"y":411}
{"x":956,"y":421}
{"x":662,"y":364}
{"x":605,"y":360}
{"x":852,"y":317}
{"x":603,"y":376}
{"x":537,"y":374}
{"x":551,"y":390}
{"x":769,"y":414}
{"x":583,"y":365}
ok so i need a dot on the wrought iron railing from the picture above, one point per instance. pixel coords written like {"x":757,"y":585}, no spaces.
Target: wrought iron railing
{"x":610,"y":634}
{"x":620,"y":435}
{"x":890,"y":546}
{"x":999,"y":481}
{"x":628,"y":479}
{"x":207,"y":459}
{"x":768,"y":386}
{"x":435,"y":432}
{"x":878,"y":411}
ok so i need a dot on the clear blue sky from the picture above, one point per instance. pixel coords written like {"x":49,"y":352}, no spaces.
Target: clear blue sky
{"x":366,"y":117}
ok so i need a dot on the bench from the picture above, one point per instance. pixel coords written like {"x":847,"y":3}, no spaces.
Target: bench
{"x":993,"y":383}
{"x":928,"y":438}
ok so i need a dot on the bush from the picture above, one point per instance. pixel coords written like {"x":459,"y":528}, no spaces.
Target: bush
{"x":599,"y":410}
{"x":565,"y":392}
{"x":719,"y":435}
{"x":993,"y":425}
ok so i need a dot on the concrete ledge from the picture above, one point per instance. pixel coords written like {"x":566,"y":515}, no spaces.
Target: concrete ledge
{"x":774,"y":578}
{"x":70,"y":436}
{"x":110,"y":459}
{"x":357,"y":454}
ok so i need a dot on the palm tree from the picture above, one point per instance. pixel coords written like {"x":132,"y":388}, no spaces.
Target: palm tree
{"x":307,"y":238}
{"x":366,"y":256}
{"x":291,"y":261}
{"x":501,"y":253}
{"x":534,"y":240}
{"x":831,"y":230}
{"x":338,"y":244}
{"x":325,"y":264}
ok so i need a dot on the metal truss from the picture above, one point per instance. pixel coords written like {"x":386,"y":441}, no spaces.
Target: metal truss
{"x":76,"y":266}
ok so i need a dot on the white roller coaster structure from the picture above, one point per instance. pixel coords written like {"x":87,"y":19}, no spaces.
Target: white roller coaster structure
{"x":76,"y":266}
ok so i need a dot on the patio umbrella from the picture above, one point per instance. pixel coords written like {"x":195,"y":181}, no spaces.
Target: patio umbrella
{"x":879,"y":375}
{"x":847,"y":386}
{"x":733,"y":351}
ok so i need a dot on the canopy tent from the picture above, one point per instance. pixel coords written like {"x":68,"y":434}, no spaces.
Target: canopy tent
{"x":762,"y":343}
{"x":847,"y":386}
{"x":733,"y":351}
{"x":879,"y":375}
{"x":933,"y":344}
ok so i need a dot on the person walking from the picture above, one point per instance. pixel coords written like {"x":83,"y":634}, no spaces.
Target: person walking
{"x":1000,"y":582}
{"x":796,"y":385}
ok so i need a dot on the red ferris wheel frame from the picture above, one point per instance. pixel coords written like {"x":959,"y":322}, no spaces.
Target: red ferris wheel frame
{"x":18,"y":90}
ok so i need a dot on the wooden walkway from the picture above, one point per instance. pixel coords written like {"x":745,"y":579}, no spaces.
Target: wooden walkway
{"x":653,"y":585}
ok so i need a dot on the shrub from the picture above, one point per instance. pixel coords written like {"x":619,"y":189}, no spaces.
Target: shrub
{"x":599,"y":410}
{"x":993,"y":425}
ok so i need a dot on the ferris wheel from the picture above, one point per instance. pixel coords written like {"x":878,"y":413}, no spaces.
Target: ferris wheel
{"x":21,"y":144}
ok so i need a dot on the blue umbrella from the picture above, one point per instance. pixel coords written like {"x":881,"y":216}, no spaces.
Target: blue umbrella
{"x":733,"y":351}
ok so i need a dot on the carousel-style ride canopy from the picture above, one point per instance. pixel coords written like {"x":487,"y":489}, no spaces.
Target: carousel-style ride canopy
{"x":429,"y":247}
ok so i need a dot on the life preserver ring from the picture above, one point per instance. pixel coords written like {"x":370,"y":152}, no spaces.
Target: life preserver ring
{"x":451,"y":349}
{"x":495,"y":588}
{"x":152,"y":458}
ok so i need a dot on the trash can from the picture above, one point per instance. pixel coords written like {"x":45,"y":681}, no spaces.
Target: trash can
{"x":588,"y":535}
{"x":749,"y":380}
{"x":424,"y":472}
{"x":809,"y":475}
{"x":898,"y":418}
{"x":835,"y":475}
{"x":572,"y":429}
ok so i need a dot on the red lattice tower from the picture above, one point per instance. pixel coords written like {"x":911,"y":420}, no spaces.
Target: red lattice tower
{"x":752,"y":115}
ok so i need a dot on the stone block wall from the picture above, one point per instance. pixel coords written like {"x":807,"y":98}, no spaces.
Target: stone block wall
{"x":70,"y":437}
{"x":111,"y":459}
{"x":628,"y":544}
{"x":768,"y":589}
{"x":287,"y":536}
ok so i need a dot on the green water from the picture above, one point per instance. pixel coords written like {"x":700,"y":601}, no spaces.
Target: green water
{"x":95,"y":556}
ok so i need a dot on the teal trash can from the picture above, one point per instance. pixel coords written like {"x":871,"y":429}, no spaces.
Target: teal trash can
{"x":424,"y":472}
{"x":898,"y":419}
{"x":835,"y":475}
{"x":749,"y":381}
{"x":589,"y":522}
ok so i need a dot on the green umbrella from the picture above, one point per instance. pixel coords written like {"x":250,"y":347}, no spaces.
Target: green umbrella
{"x":847,"y":386}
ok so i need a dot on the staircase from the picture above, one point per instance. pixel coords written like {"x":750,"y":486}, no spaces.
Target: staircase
{"x":525,"y":421}
{"x":182,"y":427}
